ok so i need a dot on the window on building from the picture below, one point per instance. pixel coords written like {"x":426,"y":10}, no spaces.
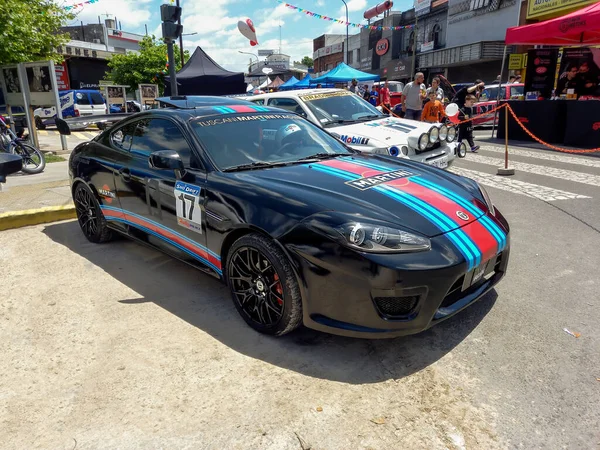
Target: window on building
{"x":436,"y":37}
{"x":477,"y":4}
{"x":350,"y":58}
{"x":358,"y":55}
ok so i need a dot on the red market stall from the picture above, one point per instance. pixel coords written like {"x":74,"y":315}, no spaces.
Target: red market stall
{"x":565,"y":82}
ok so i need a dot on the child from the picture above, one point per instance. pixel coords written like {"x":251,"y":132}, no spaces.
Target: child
{"x":465,"y":130}
{"x":433,"y":111}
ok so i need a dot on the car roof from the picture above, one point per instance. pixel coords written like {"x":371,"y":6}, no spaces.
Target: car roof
{"x":196,"y":101}
{"x":220,"y":108}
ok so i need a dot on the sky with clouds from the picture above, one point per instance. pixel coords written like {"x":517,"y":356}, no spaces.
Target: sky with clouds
{"x":215,"y":22}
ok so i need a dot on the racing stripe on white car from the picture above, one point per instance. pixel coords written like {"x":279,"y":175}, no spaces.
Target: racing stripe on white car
{"x":516,"y":187}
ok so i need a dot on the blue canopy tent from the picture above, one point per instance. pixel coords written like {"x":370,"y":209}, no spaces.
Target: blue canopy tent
{"x":289,"y":84}
{"x":308,"y":82}
{"x":344,"y":73}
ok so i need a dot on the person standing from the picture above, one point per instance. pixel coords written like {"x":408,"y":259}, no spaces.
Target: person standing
{"x":476,"y":89}
{"x":412,"y":97}
{"x":354,"y":86}
{"x":386,"y":101}
{"x":435,"y":87}
{"x":465,"y":130}
{"x":433,"y":111}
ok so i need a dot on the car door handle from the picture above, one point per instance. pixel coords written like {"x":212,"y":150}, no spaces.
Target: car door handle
{"x":125,"y":174}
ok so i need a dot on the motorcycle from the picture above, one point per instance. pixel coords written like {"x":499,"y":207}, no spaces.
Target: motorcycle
{"x":33,"y":159}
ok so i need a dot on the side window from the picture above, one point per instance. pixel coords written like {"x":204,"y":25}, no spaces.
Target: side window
{"x":152,"y":135}
{"x":260,"y":101}
{"x":97,"y":98}
{"x":81,"y":98}
{"x":287,"y":103}
{"x":121,"y":138}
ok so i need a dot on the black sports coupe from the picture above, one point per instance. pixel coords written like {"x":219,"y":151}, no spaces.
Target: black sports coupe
{"x":300,"y":227}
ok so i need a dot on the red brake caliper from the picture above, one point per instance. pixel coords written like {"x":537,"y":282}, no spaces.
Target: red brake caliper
{"x":279,"y":289}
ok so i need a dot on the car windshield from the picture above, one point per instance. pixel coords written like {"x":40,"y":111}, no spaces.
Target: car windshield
{"x":253,"y":140}
{"x":340,"y":107}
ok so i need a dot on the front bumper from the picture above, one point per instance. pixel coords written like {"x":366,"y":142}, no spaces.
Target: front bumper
{"x":382,"y":296}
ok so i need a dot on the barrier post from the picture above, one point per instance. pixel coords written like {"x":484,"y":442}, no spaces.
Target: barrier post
{"x":506,"y":170}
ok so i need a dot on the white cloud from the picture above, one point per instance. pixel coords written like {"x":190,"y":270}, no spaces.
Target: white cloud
{"x":354,"y":5}
{"x":132,"y":14}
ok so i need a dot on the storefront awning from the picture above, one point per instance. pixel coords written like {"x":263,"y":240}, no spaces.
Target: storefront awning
{"x":581,"y":27}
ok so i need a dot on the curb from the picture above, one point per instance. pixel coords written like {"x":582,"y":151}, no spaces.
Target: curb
{"x":18,"y":219}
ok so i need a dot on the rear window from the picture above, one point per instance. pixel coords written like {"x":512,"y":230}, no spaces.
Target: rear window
{"x":82,"y":98}
{"x":97,"y":99}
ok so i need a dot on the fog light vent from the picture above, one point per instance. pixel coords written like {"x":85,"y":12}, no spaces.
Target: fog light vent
{"x":396,"y":306}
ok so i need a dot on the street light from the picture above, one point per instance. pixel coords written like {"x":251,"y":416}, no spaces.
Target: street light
{"x":346,"y":5}
{"x":251,"y":54}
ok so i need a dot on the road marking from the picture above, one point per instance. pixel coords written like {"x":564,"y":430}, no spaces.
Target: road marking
{"x":79,"y":135}
{"x":563,"y":174}
{"x":42,"y":132}
{"x":588,"y":162}
{"x":517,"y":187}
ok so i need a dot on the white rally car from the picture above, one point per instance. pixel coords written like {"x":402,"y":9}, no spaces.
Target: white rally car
{"x":361,"y":126}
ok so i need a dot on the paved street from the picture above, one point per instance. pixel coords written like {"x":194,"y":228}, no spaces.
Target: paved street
{"x":103,"y":355}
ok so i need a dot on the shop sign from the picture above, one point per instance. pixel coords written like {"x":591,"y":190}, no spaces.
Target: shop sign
{"x":84,"y":52}
{"x":62,"y":77}
{"x":422,"y":7}
{"x":427,"y":46}
{"x":515,"y":61}
{"x":541,"y":69}
{"x":399,"y":68}
{"x":538,"y":8}
{"x":365,"y":63}
{"x":382,"y":47}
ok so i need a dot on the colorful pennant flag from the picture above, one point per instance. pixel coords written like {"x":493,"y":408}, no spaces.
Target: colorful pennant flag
{"x":342,"y":22}
{"x":80,"y":5}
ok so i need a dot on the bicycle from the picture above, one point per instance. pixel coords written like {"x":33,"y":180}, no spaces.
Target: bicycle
{"x":33,"y":159}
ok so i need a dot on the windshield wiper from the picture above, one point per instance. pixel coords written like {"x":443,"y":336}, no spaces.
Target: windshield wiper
{"x":323,"y":155}
{"x":255,"y":165}
{"x":371,"y":117}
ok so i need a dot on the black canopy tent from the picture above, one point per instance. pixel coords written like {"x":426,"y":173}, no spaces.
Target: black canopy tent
{"x":202,"y":76}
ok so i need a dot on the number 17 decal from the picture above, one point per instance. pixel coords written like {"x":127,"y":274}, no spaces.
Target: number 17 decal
{"x":189,"y":213}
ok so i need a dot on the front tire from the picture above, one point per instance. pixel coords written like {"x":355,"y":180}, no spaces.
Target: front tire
{"x":89,"y":215}
{"x":263,"y":285}
{"x":33,"y":159}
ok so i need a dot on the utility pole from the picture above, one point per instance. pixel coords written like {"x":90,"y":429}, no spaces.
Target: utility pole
{"x":346,"y":45}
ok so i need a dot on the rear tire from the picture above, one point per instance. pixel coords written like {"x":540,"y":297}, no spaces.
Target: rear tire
{"x":89,"y":215}
{"x":263,"y":285}
{"x":34,"y":160}
{"x":39,"y":124}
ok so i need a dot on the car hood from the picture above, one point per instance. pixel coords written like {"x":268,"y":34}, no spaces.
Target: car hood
{"x":383,"y":132}
{"x":411,"y":195}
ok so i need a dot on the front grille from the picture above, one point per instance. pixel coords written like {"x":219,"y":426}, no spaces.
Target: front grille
{"x":396,"y":306}
{"x":438,"y":144}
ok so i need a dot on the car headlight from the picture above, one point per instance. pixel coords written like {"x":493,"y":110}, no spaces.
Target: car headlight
{"x":381,"y":239}
{"x":451,"y":134}
{"x":434,"y":135}
{"x":488,"y":200}
{"x":443,"y":133}
{"x":423,"y":141}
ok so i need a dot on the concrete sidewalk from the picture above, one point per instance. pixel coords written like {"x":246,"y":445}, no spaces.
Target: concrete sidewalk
{"x":49,"y":188}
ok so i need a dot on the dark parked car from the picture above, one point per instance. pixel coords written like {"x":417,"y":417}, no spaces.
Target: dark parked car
{"x":301,"y":228}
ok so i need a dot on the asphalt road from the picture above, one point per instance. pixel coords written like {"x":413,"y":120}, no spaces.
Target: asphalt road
{"x":119,"y":346}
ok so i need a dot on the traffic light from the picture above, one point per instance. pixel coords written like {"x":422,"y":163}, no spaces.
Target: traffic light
{"x":170,"y":14}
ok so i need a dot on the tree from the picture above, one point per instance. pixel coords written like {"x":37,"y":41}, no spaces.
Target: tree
{"x":30,"y":30}
{"x":307,"y":61}
{"x":147,"y":66}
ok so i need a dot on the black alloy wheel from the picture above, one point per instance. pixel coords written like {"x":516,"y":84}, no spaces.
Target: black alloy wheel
{"x":263,"y":286}
{"x":89,"y":215}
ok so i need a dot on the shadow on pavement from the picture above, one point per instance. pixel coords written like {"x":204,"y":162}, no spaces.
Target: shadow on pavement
{"x":205,"y":303}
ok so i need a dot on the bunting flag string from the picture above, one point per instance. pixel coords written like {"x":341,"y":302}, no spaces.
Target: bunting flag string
{"x":342,"y":22}
{"x":80,"y":4}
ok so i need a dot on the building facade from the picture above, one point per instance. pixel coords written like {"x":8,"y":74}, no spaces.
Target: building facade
{"x":328,"y":52}
{"x":87,"y":53}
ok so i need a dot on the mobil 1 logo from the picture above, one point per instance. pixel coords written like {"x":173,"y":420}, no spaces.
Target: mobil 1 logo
{"x":189,"y":213}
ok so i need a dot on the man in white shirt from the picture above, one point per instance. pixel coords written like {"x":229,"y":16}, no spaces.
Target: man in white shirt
{"x":412,"y":97}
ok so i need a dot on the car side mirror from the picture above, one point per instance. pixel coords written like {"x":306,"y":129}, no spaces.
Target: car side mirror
{"x":166,"y":160}
{"x":62,"y":127}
